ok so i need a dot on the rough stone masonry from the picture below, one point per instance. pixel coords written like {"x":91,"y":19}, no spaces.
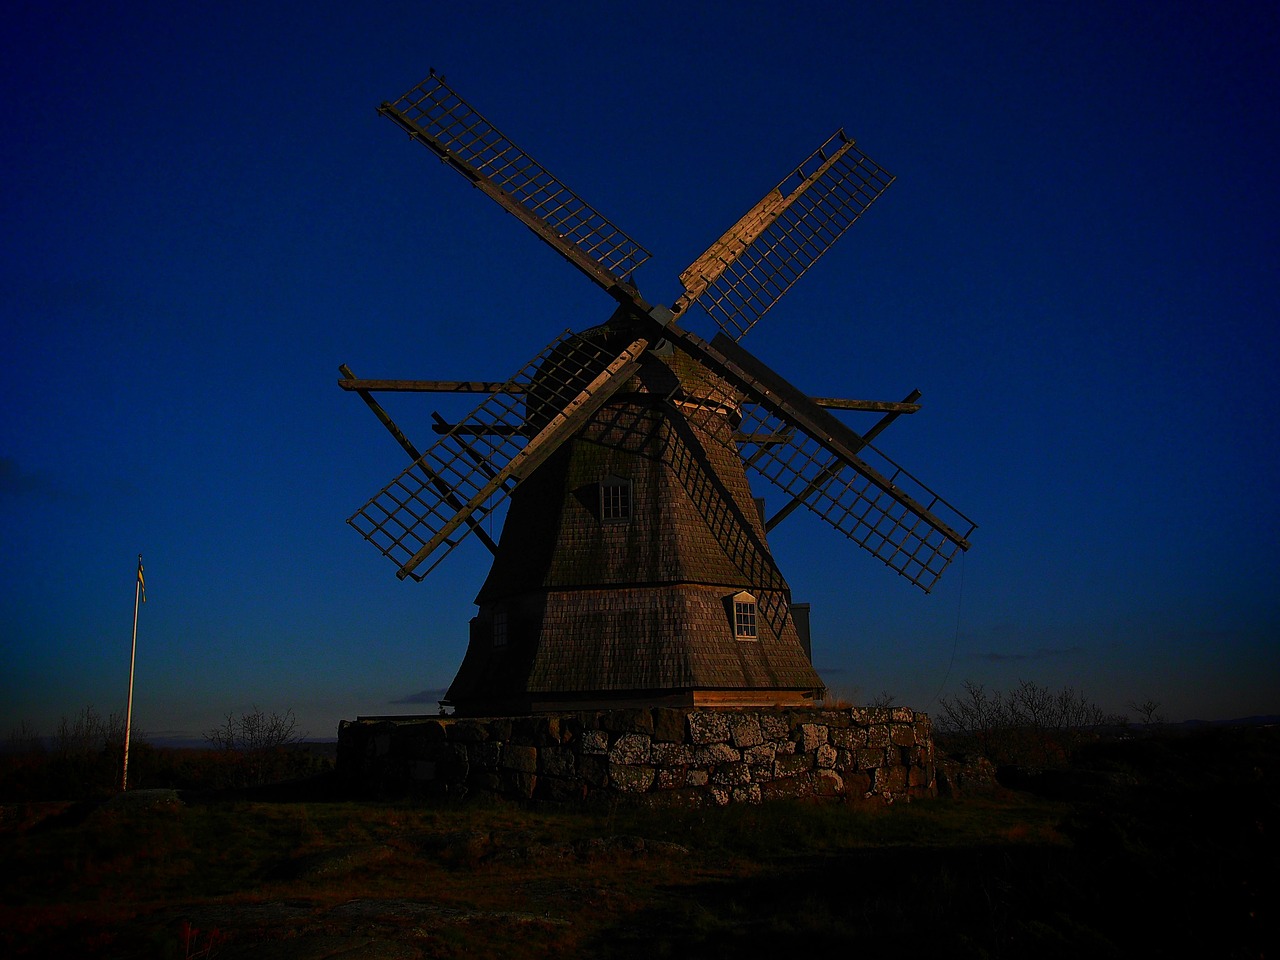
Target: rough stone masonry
{"x":656,"y":755}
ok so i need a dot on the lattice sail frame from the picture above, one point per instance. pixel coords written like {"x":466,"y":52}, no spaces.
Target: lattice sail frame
{"x":459,"y":481}
{"x":819,"y":460}
{"x":891,"y":527}
{"x":747,"y":271}
{"x":451,"y":127}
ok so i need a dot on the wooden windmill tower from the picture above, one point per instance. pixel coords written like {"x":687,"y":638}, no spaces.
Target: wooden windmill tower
{"x":633,"y":567}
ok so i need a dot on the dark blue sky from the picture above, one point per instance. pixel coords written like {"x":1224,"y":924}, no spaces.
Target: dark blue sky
{"x":205,"y":216}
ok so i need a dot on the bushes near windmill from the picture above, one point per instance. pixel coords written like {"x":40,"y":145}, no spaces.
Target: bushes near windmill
{"x":1030,"y":725}
{"x":259,"y":747}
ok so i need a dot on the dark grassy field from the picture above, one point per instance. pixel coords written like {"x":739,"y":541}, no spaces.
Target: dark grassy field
{"x":1151,"y":847}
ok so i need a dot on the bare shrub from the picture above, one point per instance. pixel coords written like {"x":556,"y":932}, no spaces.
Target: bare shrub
{"x":1030,"y":725}
{"x":257,"y":746}
{"x":1148,"y":711}
{"x":88,"y":732}
{"x":256,"y":730}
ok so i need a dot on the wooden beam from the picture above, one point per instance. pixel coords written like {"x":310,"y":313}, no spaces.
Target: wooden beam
{"x":871,"y":406}
{"x":489,"y":386}
{"x":835,"y":465}
{"x":428,"y":386}
{"x":414,"y":455}
{"x":548,"y":440}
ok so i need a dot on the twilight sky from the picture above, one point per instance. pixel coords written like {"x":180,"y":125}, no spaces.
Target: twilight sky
{"x":204,"y":216}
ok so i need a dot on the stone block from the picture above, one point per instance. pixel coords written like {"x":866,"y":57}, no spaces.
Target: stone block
{"x":747,"y":733}
{"x":789,"y":788}
{"x":856,"y":784}
{"x":828,"y":783}
{"x":468,"y":731}
{"x":892,"y":780}
{"x":557,"y":761}
{"x":594,"y":771}
{"x":669,"y":725}
{"x":671,"y":778}
{"x":631,"y":778}
{"x":848,"y":738}
{"x":499,"y":728}
{"x":521,"y":758}
{"x":869,"y":759}
{"x":485,"y":756}
{"x":731,"y":774}
{"x":630,"y":748}
{"x":760,"y":756}
{"x":902,"y":734}
{"x":878,"y":735}
{"x":709,"y":756}
{"x":671,"y":754}
{"x":792,"y":765}
{"x":627,"y":721}
{"x":825,"y":757}
{"x":902,"y":715}
{"x":747,"y":793}
{"x":774,"y":727}
{"x":812,"y":736}
{"x":595,"y":742}
{"x":708,"y":726}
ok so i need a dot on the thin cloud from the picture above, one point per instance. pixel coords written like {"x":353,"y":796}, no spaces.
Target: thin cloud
{"x":422,"y":696}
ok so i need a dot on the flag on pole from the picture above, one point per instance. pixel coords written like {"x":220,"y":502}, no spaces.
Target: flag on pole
{"x":142,"y":584}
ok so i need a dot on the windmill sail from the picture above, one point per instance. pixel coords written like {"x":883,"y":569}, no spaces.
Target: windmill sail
{"x":871,"y":500}
{"x":812,"y":456}
{"x":466,"y":475}
{"x":747,"y":270}
{"x":436,"y":116}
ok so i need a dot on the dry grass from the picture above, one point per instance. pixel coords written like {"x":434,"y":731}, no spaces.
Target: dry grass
{"x":1010,"y":875}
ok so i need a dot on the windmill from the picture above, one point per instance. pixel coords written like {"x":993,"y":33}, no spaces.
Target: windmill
{"x":632,"y":566}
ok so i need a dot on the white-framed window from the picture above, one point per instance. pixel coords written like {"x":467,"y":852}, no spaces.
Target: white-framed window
{"x":499,"y":628}
{"x":744,"y":616}
{"x":615,"y":500}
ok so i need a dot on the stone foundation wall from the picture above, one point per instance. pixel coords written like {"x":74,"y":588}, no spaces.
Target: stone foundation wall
{"x":657,"y":755}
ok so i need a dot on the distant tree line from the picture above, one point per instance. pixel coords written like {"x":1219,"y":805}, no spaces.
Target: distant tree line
{"x":1028,"y":725}
{"x":83,"y":758}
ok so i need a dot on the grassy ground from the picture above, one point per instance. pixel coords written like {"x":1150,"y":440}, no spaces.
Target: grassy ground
{"x":1163,"y":847}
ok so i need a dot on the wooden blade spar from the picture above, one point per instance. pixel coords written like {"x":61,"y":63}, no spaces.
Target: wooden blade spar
{"x":892,"y":515}
{"x":433,"y":114}
{"x":744,"y":273}
{"x":411,"y":518}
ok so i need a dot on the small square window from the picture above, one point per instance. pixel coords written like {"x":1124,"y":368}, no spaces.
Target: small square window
{"x":499,"y":628}
{"x":615,"y":500}
{"x":744,"y":616}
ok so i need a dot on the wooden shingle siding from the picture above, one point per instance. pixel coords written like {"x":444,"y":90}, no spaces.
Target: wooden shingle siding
{"x":642,"y":607}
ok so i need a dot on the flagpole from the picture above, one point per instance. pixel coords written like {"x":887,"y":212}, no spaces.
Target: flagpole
{"x":133,"y":652}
